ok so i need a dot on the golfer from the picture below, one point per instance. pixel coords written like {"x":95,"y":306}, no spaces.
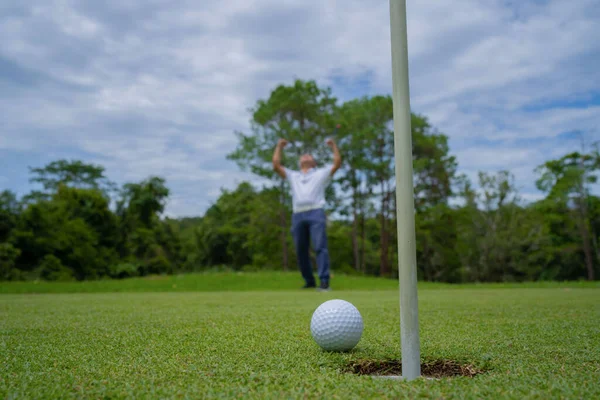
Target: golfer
{"x":308,"y":219}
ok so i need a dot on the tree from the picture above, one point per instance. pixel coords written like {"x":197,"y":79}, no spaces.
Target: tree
{"x":9,"y":213}
{"x":353,"y":141}
{"x":144,"y":201}
{"x":380,"y":167}
{"x":75,"y":226}
{"x":565,"y":182}
{"x":223,"y":235}
{"x":73,"y":173}
{"x":144,"y":238}
{"x":498,"y":238}
{"x":434,"y":173}
{"x":51,"y":269}
{"x":301,"y":113}
{"x":8,"y":257}
{"x":434,"y":168}
{"x":437,"y":229}
{"x":264,"y":230}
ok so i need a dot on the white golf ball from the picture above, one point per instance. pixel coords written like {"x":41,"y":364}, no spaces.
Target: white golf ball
{"x":336,"y":325}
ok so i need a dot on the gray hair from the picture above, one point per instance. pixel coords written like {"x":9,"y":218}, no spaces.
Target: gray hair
{"x":313,"y":157}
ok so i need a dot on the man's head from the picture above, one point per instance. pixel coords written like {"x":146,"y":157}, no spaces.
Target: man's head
{"x":307,"y":161}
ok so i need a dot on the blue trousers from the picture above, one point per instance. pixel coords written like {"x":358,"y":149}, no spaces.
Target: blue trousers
{"x":310,"y":226}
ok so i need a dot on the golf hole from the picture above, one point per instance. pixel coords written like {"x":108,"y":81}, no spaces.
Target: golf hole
{"x":429,"y":369}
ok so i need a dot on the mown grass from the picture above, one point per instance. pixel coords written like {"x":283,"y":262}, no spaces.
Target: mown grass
{"x":251,"y":281}
{"x":538,"y":343}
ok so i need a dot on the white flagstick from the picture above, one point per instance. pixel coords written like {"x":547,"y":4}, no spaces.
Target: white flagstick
{"x":407,"y":258}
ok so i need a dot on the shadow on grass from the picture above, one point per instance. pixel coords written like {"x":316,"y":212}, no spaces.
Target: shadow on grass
{"x":429,"y":369}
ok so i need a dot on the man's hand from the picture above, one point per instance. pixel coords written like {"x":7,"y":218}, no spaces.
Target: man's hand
{"x":277,"y":167}
{"x":337,"y":158}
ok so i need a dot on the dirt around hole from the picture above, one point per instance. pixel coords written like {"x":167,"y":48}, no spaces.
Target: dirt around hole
{"x":430,"y":369}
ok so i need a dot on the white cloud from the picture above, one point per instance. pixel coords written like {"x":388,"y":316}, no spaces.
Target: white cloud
{"x":158,"y":88}
{"x":494,"y":157}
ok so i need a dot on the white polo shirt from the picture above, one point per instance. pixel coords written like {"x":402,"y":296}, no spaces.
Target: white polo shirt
{"x":308,"y":189}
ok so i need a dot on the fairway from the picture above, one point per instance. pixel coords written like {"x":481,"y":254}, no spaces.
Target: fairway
{"x":531,"y":343}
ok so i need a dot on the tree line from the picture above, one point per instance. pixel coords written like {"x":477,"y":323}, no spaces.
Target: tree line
{"x":81,"y":226}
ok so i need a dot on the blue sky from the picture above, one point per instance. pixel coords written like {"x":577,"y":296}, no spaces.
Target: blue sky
{"x":158,"y":87}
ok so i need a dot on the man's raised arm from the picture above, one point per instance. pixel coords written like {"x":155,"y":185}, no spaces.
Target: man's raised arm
{"x":337,"y":158}
{"x":277,"y":158}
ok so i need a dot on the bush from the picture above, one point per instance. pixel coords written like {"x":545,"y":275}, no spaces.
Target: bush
{"x":52,"y":269}
{"x":8,"y":257}
{"x":250,"y":268}
{"x":345,"y":269}
{"x":124,"y":270}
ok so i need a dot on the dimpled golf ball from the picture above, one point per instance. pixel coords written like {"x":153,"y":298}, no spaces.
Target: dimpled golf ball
{"x":336,"y":325}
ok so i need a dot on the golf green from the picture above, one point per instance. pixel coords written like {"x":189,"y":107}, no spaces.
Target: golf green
{"x":528,"y":343}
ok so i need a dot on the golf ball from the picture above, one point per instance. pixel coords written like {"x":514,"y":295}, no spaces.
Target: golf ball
{"x":336,"y":325}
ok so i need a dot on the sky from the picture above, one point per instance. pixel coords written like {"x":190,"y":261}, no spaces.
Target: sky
{"x":158,"y":87}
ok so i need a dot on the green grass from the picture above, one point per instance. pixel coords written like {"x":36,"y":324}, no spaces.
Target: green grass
{"x":252,"y":281}
{"x":535,"y":342}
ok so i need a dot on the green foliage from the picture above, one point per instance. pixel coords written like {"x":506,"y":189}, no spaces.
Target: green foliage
{"x":8,"y":257}
{"x":51,"y":269}
{"x":434,"y":168}
{"x":73,"y":173}
{"x":562,"y":177}
{"x":71,"y":232}
{"x":466,"y":231}
{"x":9,"y":213}
{"x":339,"y":236}
{"x":265,"y":231}
{"x":503,"y":240}
{"x":438,"y":257}
{"x":302,"y":113}
{"x":124,"y":270}
{"x":353,"y":140}
{"x":566,"y":182}
{"x":142,"y":202}
{"x":241,"y":229}
{"x":75,"y":225}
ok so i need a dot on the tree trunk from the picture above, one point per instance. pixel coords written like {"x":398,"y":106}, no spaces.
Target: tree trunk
{"x":363,"y":239}
{"x":584,"y":217}
{"x":283,"y":221}
{"x":355,"y":224}
{"x":355,"y":250}
{"x":586,"y":242}
{"x":587,"y":250}
{"x":595,"y":246}
{"x":363,"y":234}
{"x":384,"y":260}
{"x":393,"y":231}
